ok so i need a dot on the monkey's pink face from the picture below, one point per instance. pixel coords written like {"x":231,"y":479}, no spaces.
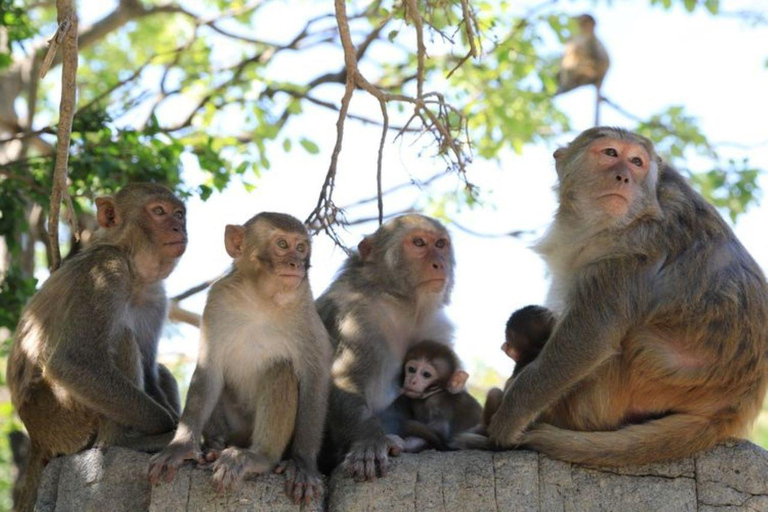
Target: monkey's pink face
{"x":419,"y":375}
{"x":619,"y":168}
{"x":168,"y":223}
{"x":289,"y":253}
{"x":429,"y":253}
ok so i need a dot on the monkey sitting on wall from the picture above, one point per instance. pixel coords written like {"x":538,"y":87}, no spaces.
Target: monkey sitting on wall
{"x":389,"y":295}
{"x":259,"y":391}
{"x":526,"y":333}
{"x":660,"y":348}
{"x":82,"y":369}
{"x":433,"y":406}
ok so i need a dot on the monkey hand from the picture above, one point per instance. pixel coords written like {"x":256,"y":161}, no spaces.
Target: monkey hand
{"x":369,"y":458}
{"x":165,"y":464}
{"x":505,"y":431}
{"x":303,"y":483}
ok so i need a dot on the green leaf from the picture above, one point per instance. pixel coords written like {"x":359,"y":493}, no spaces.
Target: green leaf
{"x":287,"y":145}
{"x":309,"y":146}
{"x":690,"y":5}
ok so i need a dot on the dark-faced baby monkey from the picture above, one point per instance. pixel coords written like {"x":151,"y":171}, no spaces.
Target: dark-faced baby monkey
{"x":259,"y":391}
{"x":660,"y":346}
{"x":433,"y":407}
{"x":526,"y":333}
{"x":82,"y":369}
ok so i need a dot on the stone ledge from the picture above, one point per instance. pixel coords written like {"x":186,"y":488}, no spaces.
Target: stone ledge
{"x":728,"y":478}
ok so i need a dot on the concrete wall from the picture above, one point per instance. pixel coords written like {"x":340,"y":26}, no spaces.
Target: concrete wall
{"x":726,"y":479}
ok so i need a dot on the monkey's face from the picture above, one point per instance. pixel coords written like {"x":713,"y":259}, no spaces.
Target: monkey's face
{"x":428,"y":255}
{"x":611,"y":178}
{"x":287,"y":257}
{"x":420,"y":374}
{"x":166,"y":222}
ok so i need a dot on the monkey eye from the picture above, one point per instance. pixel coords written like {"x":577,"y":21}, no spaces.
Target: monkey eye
{"x":440,"y":243}
{"x":419,"y":242}
{"x":179,"y":214}
{"x":158,"y":210}
{"x":610,"y":152}
{"x":281,"y":243}
{"x":301,"y":247}
{"x":637,"y":161}
{"x":411,"y":369}
{"x":427,"y":375}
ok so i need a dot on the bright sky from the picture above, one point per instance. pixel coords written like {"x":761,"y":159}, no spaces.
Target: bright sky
{"x":714,"y":66}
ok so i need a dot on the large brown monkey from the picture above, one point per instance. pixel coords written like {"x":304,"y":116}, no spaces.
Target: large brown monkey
{"x":82,"y":369}
{"x":260,"y":387}
{"x":388,"y":296}
{"x":660,"y":348}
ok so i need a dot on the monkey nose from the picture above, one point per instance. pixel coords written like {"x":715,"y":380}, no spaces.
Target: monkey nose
{"x":437,"y":265}
{"x":621,"y":178}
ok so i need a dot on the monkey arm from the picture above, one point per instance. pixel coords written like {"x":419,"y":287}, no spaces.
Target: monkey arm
{"x":204,"y":392}
{"x":93,"y":379}
{"x":602,"y":309}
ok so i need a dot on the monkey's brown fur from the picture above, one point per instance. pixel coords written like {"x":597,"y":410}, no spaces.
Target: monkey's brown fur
{"x":260,"y":387}
{"x":661,"y":343}
{"x":82,"y":369}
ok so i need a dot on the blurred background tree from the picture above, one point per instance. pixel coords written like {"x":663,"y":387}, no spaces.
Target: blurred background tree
{"x":221,"y":87}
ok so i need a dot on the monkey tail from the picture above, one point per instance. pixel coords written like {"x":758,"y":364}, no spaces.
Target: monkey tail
{"x":672,"y":437}
{"x":34,"y":473}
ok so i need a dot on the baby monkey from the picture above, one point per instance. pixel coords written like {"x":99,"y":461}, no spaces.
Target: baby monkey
{"x":527,"y":332}
{"x":433,"y":406}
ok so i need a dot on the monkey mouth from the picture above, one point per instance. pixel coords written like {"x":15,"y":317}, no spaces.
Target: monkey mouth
{"x":612,"y":195}
{"x":411,"y":393}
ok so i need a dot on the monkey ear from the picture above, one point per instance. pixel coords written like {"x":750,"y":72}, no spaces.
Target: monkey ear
{"x":106,"y":212}
{"x":457,"y":381}
{"x":234,"y":236}
{"x":558,"y":154}
{"x":365,"y":248}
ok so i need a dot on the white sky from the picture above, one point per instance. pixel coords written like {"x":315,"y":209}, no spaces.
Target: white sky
{"x":714,"y":66}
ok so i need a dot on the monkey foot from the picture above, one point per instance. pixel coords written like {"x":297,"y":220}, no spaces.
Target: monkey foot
{"x":235,"y":464}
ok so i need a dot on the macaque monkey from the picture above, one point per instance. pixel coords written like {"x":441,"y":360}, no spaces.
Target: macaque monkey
{"x":82,"y":369}
{"x":660,"y":348}
{"x":433,"y":407}
{"x":389,"y":295}
{"x":259,"y":391}
{"x":526,"y":334}
{"x":584,"y":61}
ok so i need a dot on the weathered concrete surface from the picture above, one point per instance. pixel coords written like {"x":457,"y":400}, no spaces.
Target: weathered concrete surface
{"x":726,"y":479}
{"x":115,"y":480}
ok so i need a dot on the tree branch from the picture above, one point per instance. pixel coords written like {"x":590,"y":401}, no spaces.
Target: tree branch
{"x":67,"y":17}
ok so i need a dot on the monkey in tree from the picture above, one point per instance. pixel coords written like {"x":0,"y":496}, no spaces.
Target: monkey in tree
{"x":433,"y":406}
{"x":660,"y":348}
{"x":526,"y":333}
{"x":260,"y":387}
{"x":585,"y":61}
{"x":82,"y":369}
{"x":388,"y":296}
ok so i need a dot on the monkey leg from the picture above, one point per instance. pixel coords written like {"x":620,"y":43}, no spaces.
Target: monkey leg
{"x":275,"y":411}
{"x":110,"y":433}
{"x":492,"y":403}
{"x":170,"y":389}
{"x":38,"y":458}
{"x":275,"y":407}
